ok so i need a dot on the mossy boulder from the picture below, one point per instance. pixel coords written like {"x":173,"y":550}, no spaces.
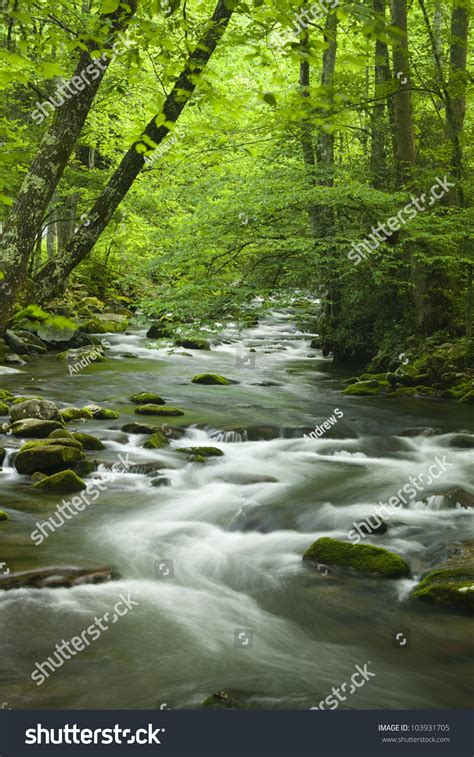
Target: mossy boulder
{"x":60,"y":433}
{"x":47,"y":458}
{"x":160,"y":330}
{"x":32,"y":428}
{"x":105,"y":323}
{"x":157,"y":440}
{"x":158,"y":410}
{"x":449,"y":587}
{"x":6,"y":396}
{"x":203,"y":452}
{"x":144,"y":398}
{"x":3,"y":515}
{"x":43,"y":410}
{"x":65,"y":442}
{"x":193,"y":344}
{"x":210,"y":379}
{"x":139,"y":428}
{"x":75,"y":414}
{"x":4,"y":409}
{"x":221,"y":700}
{"x":102,"y":413}
{"x":363,"y":558}
{"x":403,"y":391}
{"x":64,"y":482}
{"x":89,"y":442}
{"x":363,"y":389}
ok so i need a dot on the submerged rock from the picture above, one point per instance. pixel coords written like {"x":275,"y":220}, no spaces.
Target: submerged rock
{"x":363,"y":558}
{"x":62,"y":577}
{"x":32,"y":428}
{"x":201,"y":451}
{"x":462,"y":441}
{"x":211,"y":379}
{"x":64,"y":482}
{"x":220,"y":701}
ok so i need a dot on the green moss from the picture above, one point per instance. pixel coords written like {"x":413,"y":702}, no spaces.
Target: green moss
{"x":156,"y":441}
{"x":364,"y":558}
{"x":46,"y":458}
{"x":75,"y":413}
{"x":60,"y":433}
{"x":3,"y":515}
{"x":62,"y":442}
{"x":403,"y":391}
{"x":363,"y":389}
{"x":4,"y":409}
{"x":468,"y":398}
{"x":426,"y":391}
{"x":192,"y":344}
{"x":201,"y":451}
{"x":89,"y":442}
{"x":220,"y":701}
{"x":144,"y":398}
{"x":158,"y":410}
{"x":64,"y":482}
{"x":6,"y":396}
{"x":210,"y":378}
{"x":451,"y":587}
{"x":102,"y":413}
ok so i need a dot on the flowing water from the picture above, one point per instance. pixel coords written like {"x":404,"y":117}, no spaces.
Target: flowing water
{"x":214,"y":558}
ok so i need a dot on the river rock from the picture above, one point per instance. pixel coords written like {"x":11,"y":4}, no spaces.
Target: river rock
{"x":64,"y":482}
{"x":210,"y":379}
{"x":462,"y":441}
{"x":32,"y":428}
{"x":61,"y":577}
{"x":144,"y":398}
{"x":105,"y":323}
{"x":102,"y":413}
{"x":24,"y":342}
{"x":139,"y":428}
{"x":157,"y":440}
{"x":69,"y":414}
{"x":221,"y":700}
{"x":46,"y":458}
{"x":201,"y":451}
{"x":43,"y":410}
{"x":451,"y":584}
{"x":159,"y":331}
{"x":158,"y":410}
{"x":89,"y":442}
{"x":193,"y":344}
{"x":4,"y":409}
{"x":3,"y":515}
{"x":363,"y":558}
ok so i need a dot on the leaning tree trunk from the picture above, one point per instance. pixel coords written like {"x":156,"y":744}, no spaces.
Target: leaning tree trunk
{"x":26,"y":217}
{"x":52,"y":279}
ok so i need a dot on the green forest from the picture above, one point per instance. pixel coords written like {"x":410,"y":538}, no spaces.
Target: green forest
{"x":236,"y":322}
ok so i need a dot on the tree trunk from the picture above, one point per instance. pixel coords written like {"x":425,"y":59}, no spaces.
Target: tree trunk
{"x":25,"y":221}
{"x":306,"y":130}
{"x":405,"y":155}
{"x":469,"y":301}
{"x":52,"y":279}
{"x":378,"y":154}
{"x":457,"y":94}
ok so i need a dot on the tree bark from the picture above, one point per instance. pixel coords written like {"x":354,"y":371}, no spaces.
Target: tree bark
{"x":52,"y":279}
{"x":378,"y":154}
{"x":25,"y":221}
{"x":405,"y":155}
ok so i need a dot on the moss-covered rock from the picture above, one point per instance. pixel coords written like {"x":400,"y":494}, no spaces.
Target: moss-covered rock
{"x":157,"y":440}
{"x":211,"y":379}
{"x":3,"y":515}
{"x":43,"y":410}
{"x":89,"y":442}
{"x":144,"y":398}
{"x":105,"y":323}
{"x":363,"y":389}
{"x":102,"y":413}
{"x":451,"y":587}
{"x":64,"y":482}
{"x":139,"y":428}
{"x":158,"y":410}
{"x":46,"y":458}
{"x":75,"y":414}
{"x":6,"y":396}
{"x":4,"y":409}
{"x":65,"y":442}
{"x":363,"y":558}
{"x":193,"y":344}
{"x":60,"y":433}
{"x":403,"y":391}
{"x":203,"y":452}
{"x":32,"y":428}
{"x":221,"y":700}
